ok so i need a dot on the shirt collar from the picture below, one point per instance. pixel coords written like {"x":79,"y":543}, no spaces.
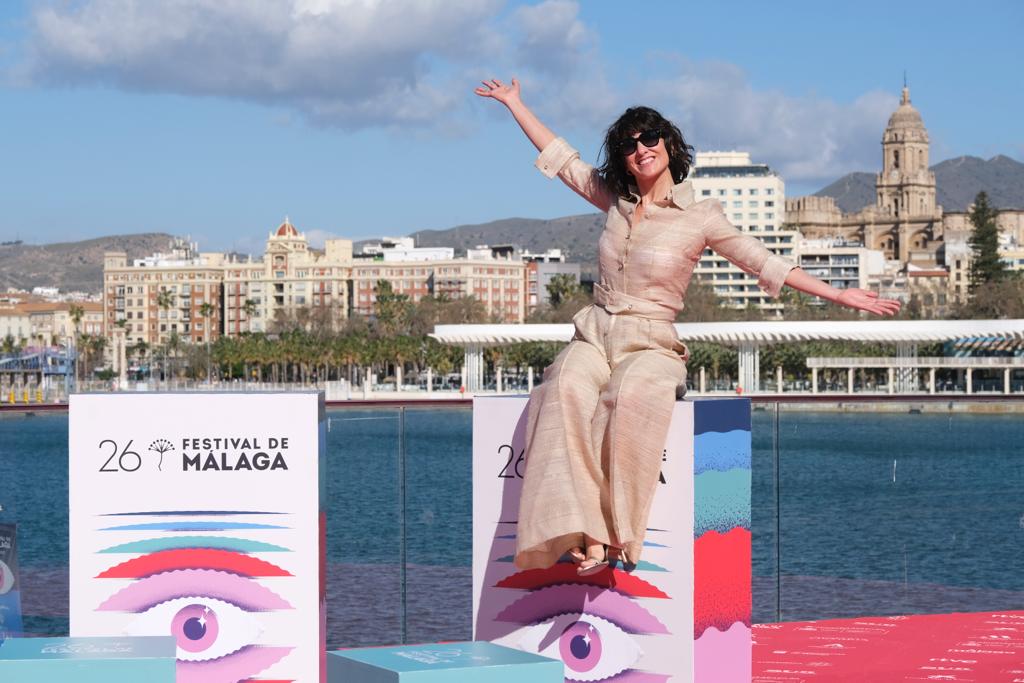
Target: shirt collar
{"x":681,"y":194}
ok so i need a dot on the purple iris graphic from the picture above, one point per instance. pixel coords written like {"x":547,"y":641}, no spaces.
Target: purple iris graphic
{"x":580,"y":646}
{"x":195,"y":628}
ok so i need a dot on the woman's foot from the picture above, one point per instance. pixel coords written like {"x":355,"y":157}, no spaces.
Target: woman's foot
{"x":595,"y":561}
{"x":577,"y":554}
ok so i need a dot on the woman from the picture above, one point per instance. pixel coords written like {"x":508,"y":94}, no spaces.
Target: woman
{"x":597,"y":425}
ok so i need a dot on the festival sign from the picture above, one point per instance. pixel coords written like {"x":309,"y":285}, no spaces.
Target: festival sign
{"x":199,"y":516}
{"x":10,"y":591}
{"x":682,"y":614}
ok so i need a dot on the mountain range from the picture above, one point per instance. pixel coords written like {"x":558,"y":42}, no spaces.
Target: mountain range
{"x":71,"y":266}
{"x":957,"y":183}
{"x":79,"y":265}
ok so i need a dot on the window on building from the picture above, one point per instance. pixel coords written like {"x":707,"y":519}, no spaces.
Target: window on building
{"x":752,"y":216}
{"x":752,"y":204}
{"x":737,"y":204}
{"x":737,"y":193}
{"x":769,"y":191}
{"x":753,"y":191}
{"x":721,"y":193}
{"x":737,"y":216}
{"x":769,"y":203}
{"x":705,"y":193}
{"x":769,"y":215}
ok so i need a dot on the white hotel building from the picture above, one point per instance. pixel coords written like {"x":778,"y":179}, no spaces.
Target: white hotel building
{"x":753,"y":198}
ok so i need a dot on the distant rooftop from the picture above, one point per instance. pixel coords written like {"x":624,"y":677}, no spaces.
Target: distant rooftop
{"x":727,"y":165}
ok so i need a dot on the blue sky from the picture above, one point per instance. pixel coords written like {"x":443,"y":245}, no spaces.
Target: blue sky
{"x":216,"y":118}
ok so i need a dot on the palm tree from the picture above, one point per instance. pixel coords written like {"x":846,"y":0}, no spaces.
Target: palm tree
{"x":77,"y":313}
{"x":139,"y":350}
{"x":173,"y":345}
{"x":249,"y":308}
{"x":165,"y":301}
{"x":207,"y":310}
{"x":9,"y":346}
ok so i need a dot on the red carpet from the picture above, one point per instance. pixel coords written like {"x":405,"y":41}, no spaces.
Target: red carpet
{"x":983,"y":647}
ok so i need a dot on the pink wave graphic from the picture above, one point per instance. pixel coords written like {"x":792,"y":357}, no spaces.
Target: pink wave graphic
{"x":188,"y":583}
{"x":723,"y":657}
{"x":234,"y":667}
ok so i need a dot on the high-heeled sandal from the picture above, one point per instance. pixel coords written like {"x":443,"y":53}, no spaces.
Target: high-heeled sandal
{"x":597,"y":564}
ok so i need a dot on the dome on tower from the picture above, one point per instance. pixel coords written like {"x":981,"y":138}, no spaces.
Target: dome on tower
{"x":286,"y":229}
{"x":906,"y":115}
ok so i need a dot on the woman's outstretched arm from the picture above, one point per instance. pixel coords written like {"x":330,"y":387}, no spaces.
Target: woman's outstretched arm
{"x":539,"y":134}
{"x":556,"y":156}
{"x":852,"y":297}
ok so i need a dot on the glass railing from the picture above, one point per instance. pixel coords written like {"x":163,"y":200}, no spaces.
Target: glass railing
{"x":866,"y":507}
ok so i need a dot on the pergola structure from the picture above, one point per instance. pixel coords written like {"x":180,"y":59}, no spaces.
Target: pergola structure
{"x":749,"y":337}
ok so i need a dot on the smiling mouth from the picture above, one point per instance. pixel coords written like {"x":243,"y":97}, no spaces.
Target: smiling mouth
{"x":645,"y":161}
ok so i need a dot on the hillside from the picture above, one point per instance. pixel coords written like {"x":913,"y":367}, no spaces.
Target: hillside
{"x":959,"y":180}
{"x":70,"y":266}
{"x":852,"y":192}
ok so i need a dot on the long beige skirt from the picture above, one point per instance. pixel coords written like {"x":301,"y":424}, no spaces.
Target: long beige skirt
{"x":596,"y":430}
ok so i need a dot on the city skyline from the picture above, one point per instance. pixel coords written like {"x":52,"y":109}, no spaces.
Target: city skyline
{"x":114,"y":134}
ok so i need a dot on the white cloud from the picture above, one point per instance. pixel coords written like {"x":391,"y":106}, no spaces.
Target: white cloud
{"x":317,"y":238}
{"x":346,"y":62}
{"x":806,"y":137}
{"x":412,"y":63}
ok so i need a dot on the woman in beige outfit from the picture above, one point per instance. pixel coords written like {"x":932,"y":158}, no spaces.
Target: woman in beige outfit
{"x":597,"y":424}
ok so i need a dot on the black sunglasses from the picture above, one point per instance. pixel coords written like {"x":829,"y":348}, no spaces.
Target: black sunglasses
{"x":648,"y":138}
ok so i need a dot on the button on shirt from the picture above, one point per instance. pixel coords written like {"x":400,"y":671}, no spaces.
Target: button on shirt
{"x":645,"y":265}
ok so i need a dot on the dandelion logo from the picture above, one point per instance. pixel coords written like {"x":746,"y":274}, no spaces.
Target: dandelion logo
{"x":161,"y":446}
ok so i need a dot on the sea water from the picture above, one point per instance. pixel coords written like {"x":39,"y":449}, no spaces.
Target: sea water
{"x":853,"y":514}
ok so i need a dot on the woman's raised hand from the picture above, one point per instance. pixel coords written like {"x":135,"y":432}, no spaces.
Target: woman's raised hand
{"x":866,"y":300}
{"x":499,"y":91}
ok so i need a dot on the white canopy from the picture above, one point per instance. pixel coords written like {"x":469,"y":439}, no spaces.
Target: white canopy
{"x":735,"y":333}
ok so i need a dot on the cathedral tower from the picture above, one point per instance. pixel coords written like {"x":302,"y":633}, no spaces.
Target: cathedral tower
{"x":905,"y":188}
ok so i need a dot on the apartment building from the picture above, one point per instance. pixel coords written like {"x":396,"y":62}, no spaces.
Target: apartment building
{"x":840,"y":263}
{"x":753,"y":198}
{"x":164,"y":294}
{"x":290,"y":277}
{"x":496,"y":276}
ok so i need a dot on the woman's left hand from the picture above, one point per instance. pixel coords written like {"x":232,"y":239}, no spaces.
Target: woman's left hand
{"x":866,"y":300}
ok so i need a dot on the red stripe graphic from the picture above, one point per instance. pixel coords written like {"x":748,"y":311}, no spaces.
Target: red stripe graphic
{"x":621,"y":581}
{"x":192,"y":558}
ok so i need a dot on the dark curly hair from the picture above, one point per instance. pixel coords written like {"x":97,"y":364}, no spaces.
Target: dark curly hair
{"x":636,"y":120}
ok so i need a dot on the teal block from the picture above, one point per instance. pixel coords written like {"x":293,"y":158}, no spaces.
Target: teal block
{"x":469,"y":662}
{"x":88,"y":660}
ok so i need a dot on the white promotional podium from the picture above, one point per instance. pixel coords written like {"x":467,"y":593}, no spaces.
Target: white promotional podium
{"x":199,"y":515}
{"x":683,"y":614}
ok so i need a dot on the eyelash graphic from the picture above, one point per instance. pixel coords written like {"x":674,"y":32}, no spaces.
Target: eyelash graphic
{"x":585,"y":623}
{"x":202,"y":590}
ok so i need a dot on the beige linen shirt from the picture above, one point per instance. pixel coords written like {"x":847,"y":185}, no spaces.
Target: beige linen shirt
{"x":646,"y":262}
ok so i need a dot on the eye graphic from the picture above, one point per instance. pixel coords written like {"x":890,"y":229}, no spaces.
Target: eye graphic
{"x":587,"y":627}
{"x":592,"y":648}
{"x":203,"y":590}
{"x":203,"y":628}
{"x":6,"y":578}
{"x":212,"y":615}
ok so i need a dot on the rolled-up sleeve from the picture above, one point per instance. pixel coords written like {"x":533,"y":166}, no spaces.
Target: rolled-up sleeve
{"x":745,"y":251}
{"x":559,"y":158}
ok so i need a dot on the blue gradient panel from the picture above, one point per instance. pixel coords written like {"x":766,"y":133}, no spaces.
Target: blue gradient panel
{"x":721,"y":501}
{"x":88,"y":660}
{"x":469,"y":662}
{"x":721,"y":451}
{"x":721,"y":415}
